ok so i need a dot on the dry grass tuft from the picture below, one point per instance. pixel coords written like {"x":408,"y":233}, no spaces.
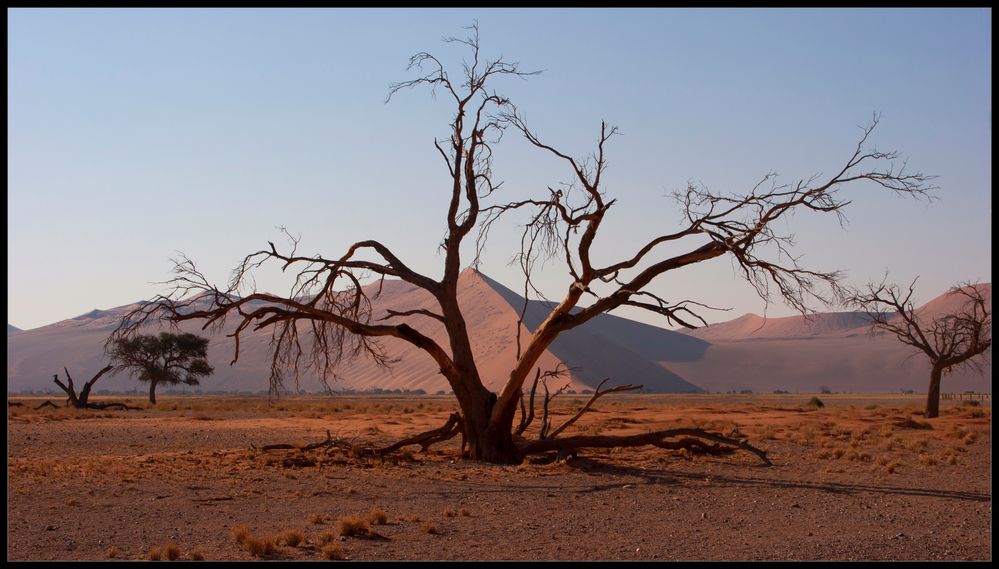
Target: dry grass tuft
{"x":803,"y":434}
{"x":430,"y":528}
{"x":154,"y":554}
{"x":927,"y":460}
{"x":113,"y":552}
{"x":327,"y":537}
{"x":171,"y":551}
{"x":464,"y":512}
{"x":262,"y":547}
{"x":196,"y":555}
{"x":70,"y":501}
{"x":292,"y":537}
{"x":257,"y":547}
{"x":352,"y":525}
{"x":316,"y":518}
{"x":334,"y":551}
{"x":377,"y":516}
{"x":241,"y":533}
{"x":449,"y":512}
{"x":769,"y":432}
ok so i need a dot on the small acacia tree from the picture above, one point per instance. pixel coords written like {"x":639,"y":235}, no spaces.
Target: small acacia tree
{"x":950,"y":340}
{"x":328,"y":303}
{"x":167,"y":358}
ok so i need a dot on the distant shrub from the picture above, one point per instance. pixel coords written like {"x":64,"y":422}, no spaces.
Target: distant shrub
{"x":816,"y":402}
{"x":824,"y":390}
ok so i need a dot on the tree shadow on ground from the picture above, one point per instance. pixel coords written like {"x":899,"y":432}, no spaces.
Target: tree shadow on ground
{"x":591,"y":466}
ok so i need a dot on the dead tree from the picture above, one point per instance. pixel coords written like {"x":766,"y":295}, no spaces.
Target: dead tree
{"x":327,"y":315}
{"x":952,"y":340}
{"x":78,"y":401}
{"x":82,"y":401}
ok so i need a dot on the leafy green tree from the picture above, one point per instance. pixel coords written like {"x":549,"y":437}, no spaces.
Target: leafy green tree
{"x":167,"y":358}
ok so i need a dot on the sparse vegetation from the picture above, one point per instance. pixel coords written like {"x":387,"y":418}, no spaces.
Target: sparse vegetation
{"x":292,"y":537}
{"x":171,"y":551}
{"x":257,"y":547}
{"x":352,"y":525}
{"x":241,"y":533}
{"x":816,"y":402}
{"x":377,"y":516}
{"x":333,"y":551}
{"x":430,"y":528}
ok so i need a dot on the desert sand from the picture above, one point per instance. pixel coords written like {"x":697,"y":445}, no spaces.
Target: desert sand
{"x":861,"y":478}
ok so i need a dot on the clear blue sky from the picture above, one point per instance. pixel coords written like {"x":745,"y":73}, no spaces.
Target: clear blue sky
{"x":134,"y":134}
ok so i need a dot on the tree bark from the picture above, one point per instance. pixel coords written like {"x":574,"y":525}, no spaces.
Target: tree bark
{"x":487,"y":440}
{"x":933,"y":395}
{"x":152,"y":392}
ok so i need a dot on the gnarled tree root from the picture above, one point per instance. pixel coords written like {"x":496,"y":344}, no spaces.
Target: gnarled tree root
{"x":452,"y":428}
{"x":690,"y":441}
{"x":449,"y":430}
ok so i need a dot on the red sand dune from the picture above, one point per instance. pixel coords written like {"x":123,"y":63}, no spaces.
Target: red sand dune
{"x":793,"y":353}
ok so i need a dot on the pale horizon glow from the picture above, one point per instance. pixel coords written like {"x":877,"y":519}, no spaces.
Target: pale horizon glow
{"x":135,"y":134}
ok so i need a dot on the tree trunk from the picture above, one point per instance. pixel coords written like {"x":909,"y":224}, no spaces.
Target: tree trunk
{"x":933,"y":395}
{"x":487,"y":441}
{"x":152,"y":392}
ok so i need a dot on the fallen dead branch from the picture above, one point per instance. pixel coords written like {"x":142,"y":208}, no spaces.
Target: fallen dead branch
{"x":570,"y":445}
{"x":451,"y":428}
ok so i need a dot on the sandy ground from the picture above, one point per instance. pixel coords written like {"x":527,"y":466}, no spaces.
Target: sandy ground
{"x":850,"y":482}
